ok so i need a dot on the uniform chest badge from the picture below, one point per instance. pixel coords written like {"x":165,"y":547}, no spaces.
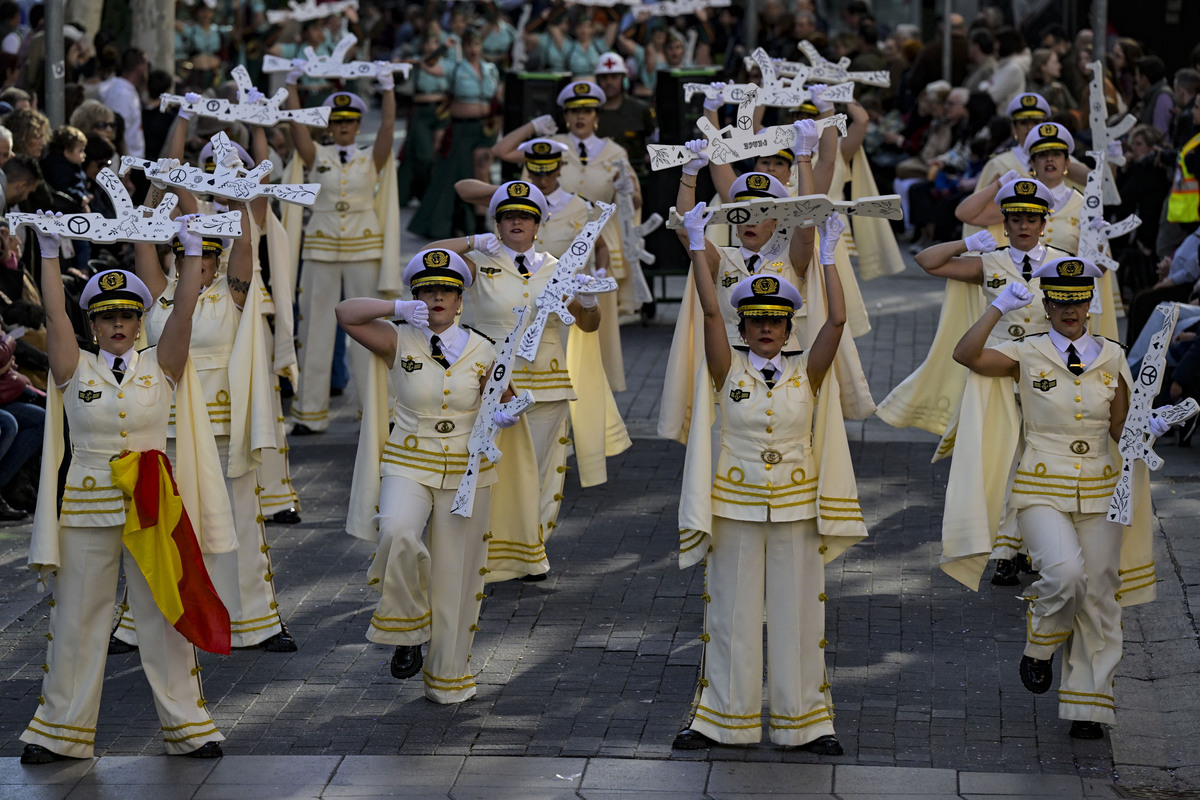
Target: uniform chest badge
{"x":89,"y":395}
{"x":409,"y":364}
{"x":444,"y":426}
{"x":1045,"y":384}
{"x":729,"y":280}
{"x":490,"y":270}
{"x":1107,"y":378}
{"x":738,"y":395}
{"x":1016,"y":331}
{"x":996,"y":282}
{"x":165,"y":303}
{"x":324,"y":168}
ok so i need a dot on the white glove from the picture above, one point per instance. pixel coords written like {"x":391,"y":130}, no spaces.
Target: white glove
{"x":48,"y":242}
{"x":807,"y":137}
{"x":293,"y":76}
{"x":193,"y":243}
{"x":715,"y":103}
{"x":544,"y":125}
{"x":488,"y":243}
{"x":1115,"y":149}
{"x":624,"y":184}
{"x":700,"y":160}
{"x":980,"y":242}
{"x":190,"y":97}
{"x":255,"y":96}
{"x":1097,"y":223}
{"x":831,"y":231}
{"x":586,"y":299}
{"x":694,"y":222}
{"x":1014,"y":296}
{"x":823,"y":105}
{"x":503,"y":419}
{"x":1009,"y":177}
{"x":385,"y":76}
{"x":600,"y":274}
{"x":1158,"y":425}
{"x":414,"y":312}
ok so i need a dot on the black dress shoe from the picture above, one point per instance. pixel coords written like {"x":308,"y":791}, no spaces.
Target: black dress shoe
{"x":1036,"y":675}
{"x":206,"y":750}
{"x":688,"y":739}
{"x":281,"y":642}
{"x":541,"y":576}
{"x":289,"y":516}
{"x":827,"y":745}
{"x":1086,"y":730}
{"x":118,"y":648}
{"x":1024,"y":564}
{"x":36,"y":754}
{"x":302,"y":430}
{"x":406,"y":661}
{"x":1006,"y":573}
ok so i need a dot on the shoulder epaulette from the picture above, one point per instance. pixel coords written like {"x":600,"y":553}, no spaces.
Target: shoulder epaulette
{"x":743,"y":348}
{"x":481,"y":333}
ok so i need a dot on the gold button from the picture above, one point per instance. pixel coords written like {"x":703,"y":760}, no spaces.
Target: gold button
{"x":1077,"y":381}
{"x":446,"y":448}
{"x":122,"y":415}
{"x":444,"y":406}
{"x":1079,"y":416}
{"x":768,"y":429}
{"x":1078,"y":399}
{"x":525,"y":295}
{"x":769,"y":412}
{"x":124,"y":433}
{"x":445,"y":391}
{"x":768,"y":392}
{"x":768,"y":467}
{"x":447,"y":375}
{"x":120,"y":395}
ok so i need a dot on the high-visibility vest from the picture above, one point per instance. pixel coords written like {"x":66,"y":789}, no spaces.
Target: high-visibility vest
{"x":1184,"y":203}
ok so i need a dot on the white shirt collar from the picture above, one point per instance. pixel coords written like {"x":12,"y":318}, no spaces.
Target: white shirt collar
{"x":1022,"y":157}
{"x":533,"y":259}
{"x":1036,"y":255}
{"x":1086,"y":346}
{"x":758,"y":362}
{"x":129,"y":359}
{"x":557,"y":200}
{"x":593,"y":143}
{"x":453,"y":340}
{"x":1062,"y":195}
{"x":748,"y":254}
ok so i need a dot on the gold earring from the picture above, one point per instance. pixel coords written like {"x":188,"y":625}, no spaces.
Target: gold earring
{"x":1047,"y":316}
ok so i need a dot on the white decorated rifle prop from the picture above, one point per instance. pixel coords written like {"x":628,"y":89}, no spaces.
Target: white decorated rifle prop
{"x":633,"y":241}
{"x":309,"y":9}
{"x":230,"y":180}
{"x":820,"y":70}
{"x":485,"y":430}
{"x":131,"y":224}
{"x":1137,"y":442}
{"x":1103,"y":133}
{"x":520,"y":54}
{"x":798,"y":212}
{"x":774,"y":90}
{"x":266,"y":112}
{"x":562,"y":286}
{"x":335,"y":65}
{"x":1093,"y":243}
{"x":738,"y":141}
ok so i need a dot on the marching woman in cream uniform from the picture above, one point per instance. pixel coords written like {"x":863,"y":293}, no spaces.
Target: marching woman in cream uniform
{"x":351,"y":241}
{"x":782,"y":503}
{"x":929,"y":398}
{"x":509,"y":273}
{"x":234,"y":390}
{"x":116,"y":401}
{"x":1074,"y":395}
{"x":428,"y":592}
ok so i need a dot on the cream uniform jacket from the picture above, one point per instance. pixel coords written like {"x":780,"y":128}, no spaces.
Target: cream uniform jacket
{"x":107,"y":418}
{"x":560,"y":227}
{"x":998,"y":271}
{"x":488,"y":305}
{"x":594,"y":181}
{"x":434,"y":410}
{"x":344,"y":225}
{"x":766,"y":470}
{"x":1066,"y":462}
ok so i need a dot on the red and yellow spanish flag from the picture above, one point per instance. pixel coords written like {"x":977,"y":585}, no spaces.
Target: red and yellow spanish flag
{"x":159,"y":535}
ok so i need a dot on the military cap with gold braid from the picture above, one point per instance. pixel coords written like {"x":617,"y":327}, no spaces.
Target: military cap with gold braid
{"x":581,"y":94}
{"x":346,"y":106}
{"x":213,"y":246}
{"x":754,"y":185}
{"x":1024,"y":195}
{"x":542,"y":156}
{"x":437,"y":268}
{"x":115,"y":290}
{"x":765,"y":296}
{"x":517,"y":196}
{"x":1028,"y":106}
{"x":1048,"y":137}
{"x":786,"y":153}
{"x":1068,"y":280}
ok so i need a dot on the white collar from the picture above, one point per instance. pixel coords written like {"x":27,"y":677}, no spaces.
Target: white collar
{"x":1036,"y":255}
{"x":593,"y":143}
{"x":747,"y":254}
{"x":1086,"y":346}
{"x":129,"y":359}
{"x":1022,"y":157}
{"x":758,"y":362}
{"x":558,"y":199}
{"x":532,"y":259}
{"x":453,"y":340}
{"x":1062,"y":195}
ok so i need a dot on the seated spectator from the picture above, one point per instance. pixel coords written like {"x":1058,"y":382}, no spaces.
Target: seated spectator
{"x":1044,"y":72}
{"x":22,"y":417}
{"x":95,"y":119}
{"x":1156,"y":102}
{"x":19,"y":178}
{"x":30,"y":130}
{"x":1178,"y":274}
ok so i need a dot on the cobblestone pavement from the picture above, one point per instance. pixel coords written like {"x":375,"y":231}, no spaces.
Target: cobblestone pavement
{"x":600,"y":661}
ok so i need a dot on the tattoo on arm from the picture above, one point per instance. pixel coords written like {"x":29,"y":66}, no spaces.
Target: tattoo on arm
{"x":239,"y":286}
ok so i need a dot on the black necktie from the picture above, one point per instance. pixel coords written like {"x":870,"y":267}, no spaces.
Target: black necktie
{"x":345,"y":156}
{"x":583,"y":156}
{"x":521,"y":268}
{"x":768,"y":373}
{"x":751,"y":262}
{"x":118,"y":369}
{"x":435,"y":351}
{"x":1074,"y":363}
{"x":1026,"y":269}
